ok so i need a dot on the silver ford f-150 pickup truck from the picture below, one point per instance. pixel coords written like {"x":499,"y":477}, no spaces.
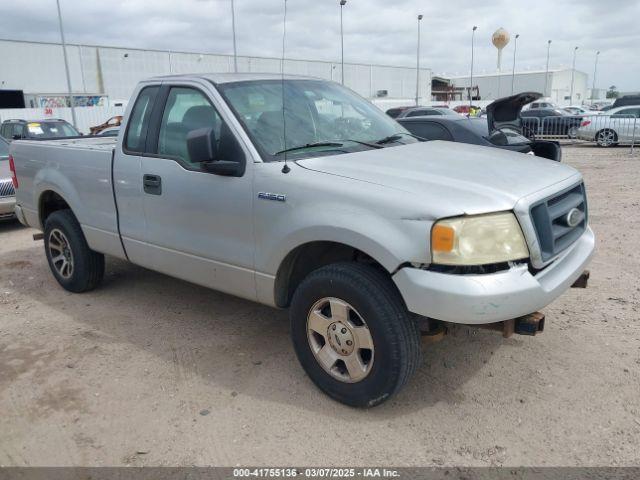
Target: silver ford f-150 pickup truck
{"x":295,"y":192}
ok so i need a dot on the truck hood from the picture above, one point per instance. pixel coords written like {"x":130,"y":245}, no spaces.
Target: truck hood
{"x":460,"y":178}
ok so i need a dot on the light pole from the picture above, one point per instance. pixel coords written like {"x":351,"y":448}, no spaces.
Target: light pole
{"x":66,"y":65}
{"x":546,"y":74}
{"x":513,"y":74}
{"x":595,"y":70}
{"x":418,"y":65}
{"x":573,"y":71}
{"x":233,"y":28}
{"x":473,"y":36}
{"x":342,"y":4}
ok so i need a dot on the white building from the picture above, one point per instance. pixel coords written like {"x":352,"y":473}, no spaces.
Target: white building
{"x":37,"y":69}
{"x":558,"y":85}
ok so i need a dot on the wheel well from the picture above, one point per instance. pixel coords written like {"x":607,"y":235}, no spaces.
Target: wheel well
{"x":309,"y":257}
{"x":50,"y":202}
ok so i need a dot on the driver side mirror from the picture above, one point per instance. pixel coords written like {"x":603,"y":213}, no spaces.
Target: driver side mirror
{"x":202,"y":147}
{"x":16,"y":137}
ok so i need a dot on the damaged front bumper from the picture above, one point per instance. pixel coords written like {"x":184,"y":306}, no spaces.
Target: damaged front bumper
{"x":496,"y":297}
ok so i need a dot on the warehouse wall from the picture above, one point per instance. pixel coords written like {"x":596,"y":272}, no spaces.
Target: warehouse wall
{"x":561,"y":87}
{"x":39,"y":68}
{"x":558,"y":86}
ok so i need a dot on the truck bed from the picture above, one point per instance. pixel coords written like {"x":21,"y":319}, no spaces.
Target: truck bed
{"x":85,"y":143}
{"x":78,"y":169}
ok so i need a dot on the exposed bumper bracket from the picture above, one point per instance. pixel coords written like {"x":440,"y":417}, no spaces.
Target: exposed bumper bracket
{"x":582,"y":280}
{"x":530,"y":324}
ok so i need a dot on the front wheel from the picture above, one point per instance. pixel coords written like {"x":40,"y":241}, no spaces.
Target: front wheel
{"x":353,"y":334}
{"x":74,"y":265}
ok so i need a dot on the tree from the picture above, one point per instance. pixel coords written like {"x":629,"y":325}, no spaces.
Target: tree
{"x":613,"y":92}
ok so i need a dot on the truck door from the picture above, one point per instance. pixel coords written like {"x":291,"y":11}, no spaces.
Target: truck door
{"x":198,"y":225}
{"x":127,"y":179}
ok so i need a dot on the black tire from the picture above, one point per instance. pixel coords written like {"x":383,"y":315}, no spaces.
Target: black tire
{"x":395,"y":335}
{"x":88,"y":266}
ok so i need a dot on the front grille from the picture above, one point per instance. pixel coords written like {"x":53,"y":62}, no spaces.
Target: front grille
{"x":549,"y":217}
{"x":6,"y":188}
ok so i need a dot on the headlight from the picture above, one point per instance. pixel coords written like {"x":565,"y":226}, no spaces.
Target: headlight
{"x":478,"y":240}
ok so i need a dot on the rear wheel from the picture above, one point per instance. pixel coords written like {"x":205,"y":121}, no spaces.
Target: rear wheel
{"x":606,"y":138}
{"x":353,"y":334}
{"x":74,"y":265}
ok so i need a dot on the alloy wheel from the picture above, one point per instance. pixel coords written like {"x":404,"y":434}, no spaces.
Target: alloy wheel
{"x":606,"y":138}
{"x":60,"y":253}
{"x":340,"y":340}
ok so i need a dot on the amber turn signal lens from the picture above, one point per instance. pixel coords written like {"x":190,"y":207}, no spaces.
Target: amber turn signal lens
{"x":442,"y":238}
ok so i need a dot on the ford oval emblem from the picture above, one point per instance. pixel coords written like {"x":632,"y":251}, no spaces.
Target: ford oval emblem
{"x":574,"y":217}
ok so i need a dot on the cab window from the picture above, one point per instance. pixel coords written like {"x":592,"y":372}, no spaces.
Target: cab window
{"x":138,"y":126}
{"x":186,"y":110}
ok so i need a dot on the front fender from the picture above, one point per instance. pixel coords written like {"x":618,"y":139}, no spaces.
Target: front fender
{"x":389,"y":241}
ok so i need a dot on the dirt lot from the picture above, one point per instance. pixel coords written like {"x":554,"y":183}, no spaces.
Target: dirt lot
{"x":149,"y":370}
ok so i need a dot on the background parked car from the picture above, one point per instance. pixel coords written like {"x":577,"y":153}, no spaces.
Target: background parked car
{"x":463,"y":130}
{"x":49,"y":128}
{"x":7,"y":192}
{"x":626,"y":100}
{"x":613,"y":127}
{"x":578,"y":110}
{"x":426,"y":111}
{"x":396,"y":111}
{"x":501,"y":129}
{"x":109,"y":132}
{"x":112,"y":122}
{"x":466,"y":109}
{"x":550,"y":122}
{"x":540,"y":104}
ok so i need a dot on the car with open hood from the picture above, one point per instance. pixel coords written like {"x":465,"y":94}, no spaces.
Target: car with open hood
{"x":502,"y":128}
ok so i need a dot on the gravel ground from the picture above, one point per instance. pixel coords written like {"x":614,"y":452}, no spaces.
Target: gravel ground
{"x":149,"y":370}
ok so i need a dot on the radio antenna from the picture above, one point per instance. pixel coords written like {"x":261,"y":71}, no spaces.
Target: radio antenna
{"x":285,"y":168}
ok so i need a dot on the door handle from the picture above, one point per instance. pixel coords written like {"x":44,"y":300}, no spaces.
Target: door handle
{"x":152,"y":184}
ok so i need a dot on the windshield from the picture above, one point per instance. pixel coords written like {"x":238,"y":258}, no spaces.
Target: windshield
{"x":317,"y":112}
{"x":51,"y":130}
{"x":4,"y":148}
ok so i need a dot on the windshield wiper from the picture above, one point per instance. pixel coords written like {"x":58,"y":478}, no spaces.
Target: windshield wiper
{"x":328,"y":144}
{"x":372,"y":145}
{"x":310,"y":145}
{"x":396,"y":136}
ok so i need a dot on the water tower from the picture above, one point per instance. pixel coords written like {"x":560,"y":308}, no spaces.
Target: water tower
{"x":500,"y":39}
